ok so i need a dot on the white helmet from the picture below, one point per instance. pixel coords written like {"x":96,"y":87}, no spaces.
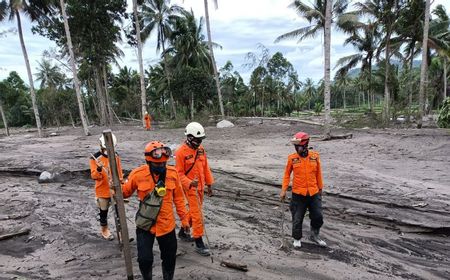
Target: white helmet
{"x":102,"y":142}
{"x":195,"y":129}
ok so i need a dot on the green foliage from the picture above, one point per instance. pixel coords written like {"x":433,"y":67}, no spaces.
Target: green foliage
{"x":443,"y":120}
{"x":318,"y":107}
{"x":16,"y":100}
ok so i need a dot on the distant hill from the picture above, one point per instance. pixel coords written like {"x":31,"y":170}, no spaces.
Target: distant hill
{"x":355,"y":72}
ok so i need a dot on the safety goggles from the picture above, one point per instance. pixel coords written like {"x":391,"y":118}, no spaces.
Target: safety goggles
{"x":160,"y":152}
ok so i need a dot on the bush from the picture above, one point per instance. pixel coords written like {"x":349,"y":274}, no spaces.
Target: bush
{"x":443,"y":120}
{"x":318,"y":107}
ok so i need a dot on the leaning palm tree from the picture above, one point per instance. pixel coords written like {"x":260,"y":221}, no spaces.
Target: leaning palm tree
{"x":423,"y":68}
{"x":141,"y":63}
{"x":320,"y":18}
{"x":12,"y":9}
{"x":73,"y":66}
{"x":211,"y":53}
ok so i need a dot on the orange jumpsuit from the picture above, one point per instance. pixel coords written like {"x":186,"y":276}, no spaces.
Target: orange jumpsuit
{"x":147,"y":120}
{"x":307,"y":179}
{"x":185,"y":159}
{"x":140,"y":179}
{"x":101,"y":177}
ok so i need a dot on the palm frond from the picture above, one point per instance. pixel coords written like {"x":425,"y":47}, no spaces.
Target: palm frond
{"x":298,"y":33}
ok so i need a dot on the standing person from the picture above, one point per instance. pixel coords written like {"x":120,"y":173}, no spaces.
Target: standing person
{"x":307,"y":188}
{"x":158,"y":189}
{"x":147,"y":120}
{"x":99,"y":165}
{"x":195,"y":174}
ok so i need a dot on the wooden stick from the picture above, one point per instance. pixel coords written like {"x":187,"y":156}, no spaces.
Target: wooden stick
{"x":241,"y":267}
{"x":118,"y":203}
{"x":14,"y":234}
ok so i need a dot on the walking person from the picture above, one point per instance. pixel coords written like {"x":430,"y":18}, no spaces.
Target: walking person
{"x":99,"y":165}
{"x":307,"y":188}
{"x":195,"y":174}
{"x":158,"y":189}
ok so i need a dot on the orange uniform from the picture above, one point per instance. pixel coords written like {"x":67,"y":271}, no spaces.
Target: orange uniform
{"x":101,"y":177}
{"x":140,"y":179}
{"x":147,"y":120}
{"x":195,"y":160}
{"x":307,"y":179}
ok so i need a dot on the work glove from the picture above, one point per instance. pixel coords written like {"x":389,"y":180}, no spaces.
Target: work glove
{"x":194,"y":184}
{"x":209,"y":190}
{"x":282,"y":195}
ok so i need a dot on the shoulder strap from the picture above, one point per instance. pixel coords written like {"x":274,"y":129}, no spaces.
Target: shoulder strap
{"x":192,"y":166}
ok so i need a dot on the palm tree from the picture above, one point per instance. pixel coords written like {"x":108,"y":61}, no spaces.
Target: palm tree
{"x":49,"y":75}
{"x":211,"y":52}
{"x":320,"y":18}
{"x":423,"y":68}
{"x":159,"y":16}
{"x":309,"y":90}
{"x":141,"y":63}
{"x":76,"y":82}
{"x":11,"y":9}
{"x":343,"y":82}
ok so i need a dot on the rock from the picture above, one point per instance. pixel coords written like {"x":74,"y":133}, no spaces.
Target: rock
{"x":46,"y":177}
{"x":224,"y":124}
{"x":54,"y":134}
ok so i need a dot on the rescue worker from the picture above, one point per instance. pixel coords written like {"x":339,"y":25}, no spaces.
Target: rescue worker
{"x":307,"y":188}
{"x":153,"y":176}
{"x":99,"y":165}
{"x":147,"y":120}
{"x":195,"y":174}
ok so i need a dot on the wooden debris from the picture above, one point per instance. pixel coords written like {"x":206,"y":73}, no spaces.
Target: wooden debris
{"x":14,"y":234}
{"x":241,"y":267}
{"x":343,"y":136}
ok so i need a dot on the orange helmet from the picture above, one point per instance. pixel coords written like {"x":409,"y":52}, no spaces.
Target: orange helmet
{"x":300,"y":138}
{"x":156,"y":151}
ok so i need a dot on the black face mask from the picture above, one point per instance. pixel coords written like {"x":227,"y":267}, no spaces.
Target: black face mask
{"x":157,"y":169}
{"x":194,"y":142}
{"x":304,"y":152}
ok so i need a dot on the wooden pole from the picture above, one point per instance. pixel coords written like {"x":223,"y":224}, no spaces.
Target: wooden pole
{"x":117,"y":200}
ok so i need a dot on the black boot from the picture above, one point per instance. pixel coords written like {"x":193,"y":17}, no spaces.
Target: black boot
{"x":201,"y":248}
{"x":146,"y":270}
{"x":168,"y":274}
{"x":185,"y":236}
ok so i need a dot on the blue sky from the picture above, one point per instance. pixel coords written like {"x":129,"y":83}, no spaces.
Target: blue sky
{"x":238,"y":26}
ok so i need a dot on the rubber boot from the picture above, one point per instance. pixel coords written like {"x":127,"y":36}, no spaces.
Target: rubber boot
{"x":185,"y":236}
{"x":106,"y":234}
{"x":201,"y":248}
{"x":167,"y":275}
{"x":146,"y":270}
{"x":316,"y":239}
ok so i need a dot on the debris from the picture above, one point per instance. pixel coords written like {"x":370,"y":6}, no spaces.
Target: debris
{"x":14,"y":234}
{"x":224,"y":124}
{"x":241,"y":267}
{"x":46,"y":177}
{"x":422,"y":204}
{"x":343,"y":136}
{"x":53,"y":134}
{"x":69,"y":260}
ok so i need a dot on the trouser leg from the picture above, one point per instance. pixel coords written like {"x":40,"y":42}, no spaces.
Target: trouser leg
{"x":145,"y":240}
{"x":298,"y":208}
{"x":168,"y":247}
{"x":315,"y":213}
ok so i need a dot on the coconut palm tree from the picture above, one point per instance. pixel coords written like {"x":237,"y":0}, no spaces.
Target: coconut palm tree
{"x":12,"y":9}
{"x":211,"y":53}
{"x":159,"y":16}
{"x":423,"y":68}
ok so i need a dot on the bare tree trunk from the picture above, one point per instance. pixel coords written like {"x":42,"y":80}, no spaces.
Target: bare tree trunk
{"x":94,"y":102}
{"x":108,"y":101}
{"x":166,"y":70}
{"x":262,"y":101}
{"x":141,"y":63}
{"x":327,"y":42}
{"x":100,"y":96}
{"x":5,"y":122}
{"x":30,"y":76}
{"x":192,"y":106}
{"x":213,"y":61}
{"x":71,"y":120}
{"x":444,"y":93}
{"x":387,"y":98}
{"x":345,"y":104}
{"x":76,"y":82}
{"x":423,"y":68}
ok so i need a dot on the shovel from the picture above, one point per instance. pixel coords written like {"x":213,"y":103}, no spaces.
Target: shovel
{"x":284,"y":243}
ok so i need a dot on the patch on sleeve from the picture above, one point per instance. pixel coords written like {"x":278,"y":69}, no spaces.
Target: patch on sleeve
{"x":188,"y":157}
{"x":313,"y":158}
{"x":201,"y":152}
{"x":295,"y":160}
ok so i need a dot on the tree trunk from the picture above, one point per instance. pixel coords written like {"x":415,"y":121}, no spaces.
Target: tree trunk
{"x":108,"y":101}
{"x":94,"y":102}
{"x":30,"y":76}
{"x":423,"y":68}
{"x":345,"y":104}
{"x":166,"y":70}
{"x":411,"y":86}
{"x":262,"y":101}
{"x":444,"y":93}
{"x":327,"y":41}
{"x":213,"y":61}
{"x":100,"y":96}
{"x":192,"y":106}
{"x":5,"y":122}
{"x":141,"y":64}
{"x":387,"y":100}
{"x":76,"y":82}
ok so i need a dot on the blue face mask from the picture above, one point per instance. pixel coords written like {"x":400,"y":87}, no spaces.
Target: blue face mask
{"x":157,"y":169}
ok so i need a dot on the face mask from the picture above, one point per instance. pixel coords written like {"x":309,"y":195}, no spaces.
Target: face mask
{"x":194,"y":142}
{"x":157,"y":169}
{"x":302,"y":150}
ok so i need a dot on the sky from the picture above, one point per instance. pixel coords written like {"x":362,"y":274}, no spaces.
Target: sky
{"x":238,"y":26}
